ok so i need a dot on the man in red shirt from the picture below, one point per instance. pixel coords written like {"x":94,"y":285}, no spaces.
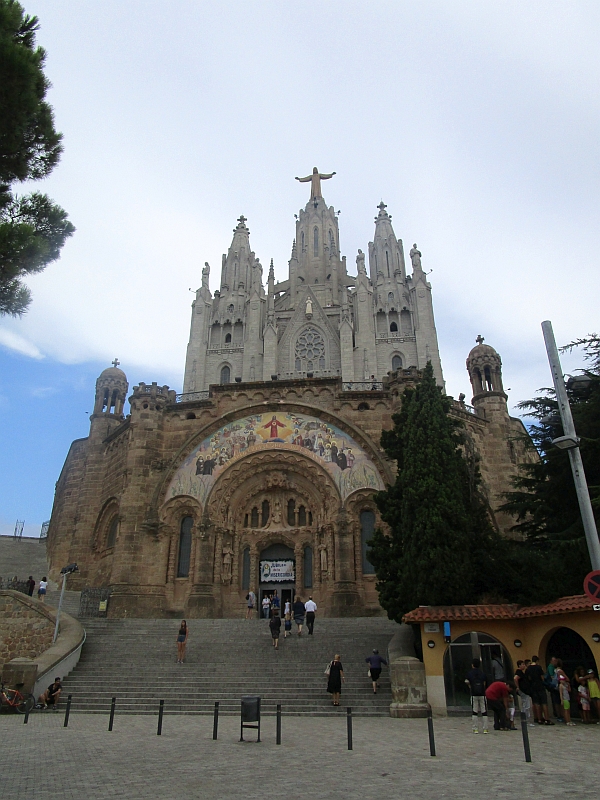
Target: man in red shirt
{"x":497,"y":697}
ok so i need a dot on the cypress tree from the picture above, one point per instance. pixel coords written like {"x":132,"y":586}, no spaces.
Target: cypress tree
{"x":441,"y":546}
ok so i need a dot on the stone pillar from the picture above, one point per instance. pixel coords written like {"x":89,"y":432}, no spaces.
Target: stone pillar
{"x":407,"y":676}
{"x":202,"y":601}
{"x":345,"y":601}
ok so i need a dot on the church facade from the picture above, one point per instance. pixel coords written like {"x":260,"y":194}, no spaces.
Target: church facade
{"x":261,"y":474}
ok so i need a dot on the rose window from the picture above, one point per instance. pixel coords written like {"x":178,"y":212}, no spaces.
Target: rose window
{"x":310,"y":351}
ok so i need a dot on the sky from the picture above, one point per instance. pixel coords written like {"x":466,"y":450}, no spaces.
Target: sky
{"x":477,"y":123}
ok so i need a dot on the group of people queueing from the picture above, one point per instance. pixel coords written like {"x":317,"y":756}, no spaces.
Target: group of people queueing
{"x":528,"y":689}
{"x":299,"y":611}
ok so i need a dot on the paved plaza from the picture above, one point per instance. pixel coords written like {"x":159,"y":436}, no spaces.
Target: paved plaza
{"x":390,"y":759}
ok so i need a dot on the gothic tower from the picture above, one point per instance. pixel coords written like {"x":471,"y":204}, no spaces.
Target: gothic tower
{"x":320,"y":321}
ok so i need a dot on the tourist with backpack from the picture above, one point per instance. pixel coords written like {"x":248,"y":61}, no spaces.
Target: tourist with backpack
{"x":477,"y":683}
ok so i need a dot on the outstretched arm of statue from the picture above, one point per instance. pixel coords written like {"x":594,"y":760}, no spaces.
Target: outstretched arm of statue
{"x":305,"y":180}
{"x":324,"y":175}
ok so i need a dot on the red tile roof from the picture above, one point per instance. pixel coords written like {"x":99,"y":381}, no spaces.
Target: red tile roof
{"x":564,"y":605}
{"x":497,"y":610}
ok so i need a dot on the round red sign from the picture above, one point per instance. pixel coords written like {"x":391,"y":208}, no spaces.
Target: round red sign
{"x":591,"y":585}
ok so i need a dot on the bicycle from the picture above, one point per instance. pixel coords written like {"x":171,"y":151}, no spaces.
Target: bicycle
{"x":12,"y":698}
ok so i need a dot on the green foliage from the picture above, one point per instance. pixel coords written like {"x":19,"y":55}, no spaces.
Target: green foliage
{"x":32,"y":229}
{"x":544,"y":501}
{"x":442,"y":548}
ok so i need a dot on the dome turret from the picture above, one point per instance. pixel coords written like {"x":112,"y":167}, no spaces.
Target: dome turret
{"x":485,"y":370}
{"x":111,"y":391}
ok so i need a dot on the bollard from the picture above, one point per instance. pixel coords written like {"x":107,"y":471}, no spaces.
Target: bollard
{"x":349,"y":722}
{"x":216,"y":721}
{"x":67,"y":711}
{"x":112,"y":713}
{"x":161,"y":708}
{"x":431,"y":737}
{"x":525,"y":733}
{"x":26,"y":718}
{"x":278,"y":729}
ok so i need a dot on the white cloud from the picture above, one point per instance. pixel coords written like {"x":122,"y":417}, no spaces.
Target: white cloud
{"x":479,"y":125}
{"x":18,"y":343}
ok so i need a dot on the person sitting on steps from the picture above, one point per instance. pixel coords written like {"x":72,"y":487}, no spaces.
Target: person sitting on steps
{"x":52,"y":695}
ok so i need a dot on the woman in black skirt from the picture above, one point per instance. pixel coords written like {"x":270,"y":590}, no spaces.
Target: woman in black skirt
{"x":335,"y":680}
{"x":182,"y":638}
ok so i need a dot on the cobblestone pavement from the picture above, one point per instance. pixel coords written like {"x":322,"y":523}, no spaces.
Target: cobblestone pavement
{"x":390,"y":759}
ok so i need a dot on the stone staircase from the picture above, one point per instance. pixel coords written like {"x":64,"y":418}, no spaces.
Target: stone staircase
{"x":70,"y":600}
{"x":134,"y":660}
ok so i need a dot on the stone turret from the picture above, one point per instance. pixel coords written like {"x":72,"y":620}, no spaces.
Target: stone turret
{"x":111,"y":392}
{"x":485,"y":372}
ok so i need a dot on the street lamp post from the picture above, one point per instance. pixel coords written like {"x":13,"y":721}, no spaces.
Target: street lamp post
{"x":570,"y":442}
{"x":64,"y":572}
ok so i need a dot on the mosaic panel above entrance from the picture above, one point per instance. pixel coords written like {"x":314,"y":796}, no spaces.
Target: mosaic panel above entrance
{"x":347,"y":463}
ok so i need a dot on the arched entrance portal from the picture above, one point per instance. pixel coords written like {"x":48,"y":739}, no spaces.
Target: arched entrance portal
{"x":572,"y":649}
{"x":277,"y":572}
{"x":458,"y":659}
{"x":273,"y":509}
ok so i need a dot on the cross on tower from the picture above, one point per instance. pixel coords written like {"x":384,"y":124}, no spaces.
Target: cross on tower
{"x":115,"y":363}
{"x":242,"y":219}
{"x":382,"y":206}
{"x":480,"y":339}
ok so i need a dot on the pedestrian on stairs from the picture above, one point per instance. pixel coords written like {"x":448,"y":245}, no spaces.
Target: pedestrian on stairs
{"x":251,"y":601}
{"x":182,"y":638}
{"x":299,"y":612}
{"x":266,"y":606}
{"x":42,"y":589}
{"x":310,"y":607}
{"x":30,"y":586}
{"x":375,"y":662}
{"x":335,"y":673}
{"x":275,"y":626}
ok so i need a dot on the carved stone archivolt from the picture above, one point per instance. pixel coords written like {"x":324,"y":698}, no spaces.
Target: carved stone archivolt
{"x":275,"y":478}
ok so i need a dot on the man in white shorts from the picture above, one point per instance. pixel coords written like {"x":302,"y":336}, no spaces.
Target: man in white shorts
{"x":477,"y":683}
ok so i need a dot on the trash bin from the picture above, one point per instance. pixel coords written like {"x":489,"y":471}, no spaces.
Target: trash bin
{"x":250,"y":712}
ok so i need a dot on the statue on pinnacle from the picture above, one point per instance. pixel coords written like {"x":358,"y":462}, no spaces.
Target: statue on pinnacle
{"x":315,"y":182}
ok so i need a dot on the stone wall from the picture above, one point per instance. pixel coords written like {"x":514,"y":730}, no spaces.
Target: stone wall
{"x":26,"y":628}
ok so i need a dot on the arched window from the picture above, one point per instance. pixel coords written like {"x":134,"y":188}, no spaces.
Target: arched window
{"x":308,"y":567}
{"x":301,"y":516}
{"x":489,"y":386}
{"x":227,"y":341}
{"x":316,"y":242}
{"x":226,"y":373}
{"x":112,"y":532}
{"x":245,"y":520}
{"x":393,"y":327}
{"x":310,"y":517}
{"x":396,"y":363}
{"x":387,"y":261}
{"x":185,"y":547}
{"x":331,"y":241}
{"x":291,"y":512}
{"x":264,"y":513}
{"x":230,"y":308}
{"x":254,"y":518}
{"x":367,"y":528}
{"x":302,"y":240}
{"x":246,"y":568}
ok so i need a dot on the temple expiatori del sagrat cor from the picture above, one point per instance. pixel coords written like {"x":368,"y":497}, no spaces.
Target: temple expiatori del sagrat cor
{"x":261,"y":474}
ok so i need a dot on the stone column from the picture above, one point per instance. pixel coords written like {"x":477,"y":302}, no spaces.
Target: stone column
{"x":202,"y":601}
{"x":345,"y":601}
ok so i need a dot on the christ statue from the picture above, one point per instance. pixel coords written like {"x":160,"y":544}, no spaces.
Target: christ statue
{"x":315,"y":181}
